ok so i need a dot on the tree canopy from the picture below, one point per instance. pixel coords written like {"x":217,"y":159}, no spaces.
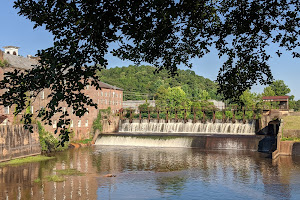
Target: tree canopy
{"x":280,"y":88}
{"x":166,"y":34}
{"x":140,"y":82}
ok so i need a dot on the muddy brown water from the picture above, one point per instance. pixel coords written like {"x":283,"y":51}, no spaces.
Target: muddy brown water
{"x":155,"y":173}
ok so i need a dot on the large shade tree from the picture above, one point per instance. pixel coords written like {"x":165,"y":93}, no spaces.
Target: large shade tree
{"x":166,"y":34}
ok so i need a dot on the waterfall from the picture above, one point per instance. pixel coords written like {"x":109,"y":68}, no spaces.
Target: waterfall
{"x":237,"y":128}
{"x":145,"y":141}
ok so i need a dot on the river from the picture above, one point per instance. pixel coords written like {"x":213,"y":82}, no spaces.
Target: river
{"x":155,"y":173}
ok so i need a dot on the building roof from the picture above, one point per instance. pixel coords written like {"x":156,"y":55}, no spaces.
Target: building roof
{"x":14,"y":47}
{"x":19,"y":61}
{"x":276,"y":98}
{"x":108,"y":86}
{"x":27,"y":63}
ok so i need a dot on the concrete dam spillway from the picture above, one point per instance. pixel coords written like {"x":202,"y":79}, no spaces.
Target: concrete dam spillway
{"x":210,"y":136}
{"x":237,"y":128}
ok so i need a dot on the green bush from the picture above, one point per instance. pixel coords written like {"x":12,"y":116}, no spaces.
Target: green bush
{"x":48,"y":142}
{"x":228,"y":114}
{"x":103,"y":113}
{"x":97,"y":123}
{"x":4,"y":63}
{"x":219,"y":115}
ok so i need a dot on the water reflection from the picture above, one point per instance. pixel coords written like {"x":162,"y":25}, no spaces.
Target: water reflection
{"x":155,"y":173}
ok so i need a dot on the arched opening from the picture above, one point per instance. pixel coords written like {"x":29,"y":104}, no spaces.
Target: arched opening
{"x":8,"y":52}
{"x":14,"y":53}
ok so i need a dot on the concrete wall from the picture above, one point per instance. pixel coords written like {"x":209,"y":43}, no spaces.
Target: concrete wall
{"x":212,"y":142}
{"x":110,"y":125}
{"x":134,"y":104}
{"x":285,"y":148}
{"x":16,"y":142}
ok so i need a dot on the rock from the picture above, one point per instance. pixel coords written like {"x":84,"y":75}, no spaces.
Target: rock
{"x":109,"y":175}
{"x":74,"y":145}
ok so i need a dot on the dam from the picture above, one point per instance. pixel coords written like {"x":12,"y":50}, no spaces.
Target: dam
{"x":208,"y":136}
{"x":238,"y":128}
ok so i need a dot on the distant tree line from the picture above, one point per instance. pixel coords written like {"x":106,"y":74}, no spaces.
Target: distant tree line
{"x":187,"y":90}
{"x":141,"y":82}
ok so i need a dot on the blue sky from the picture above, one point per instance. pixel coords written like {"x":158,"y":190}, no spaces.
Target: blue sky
{"x":18,"y":31}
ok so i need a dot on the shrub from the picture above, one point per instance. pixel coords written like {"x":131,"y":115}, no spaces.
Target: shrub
{"x":4,"y":63}
{"x":103,"y":113}
{"x":48,"y":142}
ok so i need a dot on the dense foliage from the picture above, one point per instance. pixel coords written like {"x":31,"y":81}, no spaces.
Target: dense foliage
{"x":97,"y":123}
{"x":140,"y":82}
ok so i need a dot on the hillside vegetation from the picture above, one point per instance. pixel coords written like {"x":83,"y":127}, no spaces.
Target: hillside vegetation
{"x":140,"y":82}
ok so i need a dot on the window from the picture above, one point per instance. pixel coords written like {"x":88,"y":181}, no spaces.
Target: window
{"x":116,"y":95}
{"x":79,"y":123}
{"x":86,"y":123}
{"x":87,"y":111}
{"x":54,"y":124}
{"x":64,"y":109}
{"x":101,"y":93}
{"x":31,"y":109}
{"x":87,"y":86}
{"x":105,"y":94}
{"x":42,"y":95}
{"x":98,"y":102}
{"x":71,"y":124}
{"x":105,"y":101}
{"x":6,"y":110}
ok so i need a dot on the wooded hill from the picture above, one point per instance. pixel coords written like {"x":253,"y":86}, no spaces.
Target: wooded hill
{"x":140,"y":82}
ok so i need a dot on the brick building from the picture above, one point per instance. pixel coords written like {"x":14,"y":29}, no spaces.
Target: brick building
{"x":108,"y":96}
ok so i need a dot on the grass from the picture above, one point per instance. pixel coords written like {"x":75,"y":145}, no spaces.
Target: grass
{"x":38,"y":180}
{"x":85,"y":141}
{"x":70,"y":172}
{"x":30,"y":159}
{"x":60,"y":176}
{"x":290,"y":139}
{"x":55,"y":178}
{"x":291,"y":122}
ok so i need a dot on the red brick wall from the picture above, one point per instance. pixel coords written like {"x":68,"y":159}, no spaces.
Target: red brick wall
{"x":104,"y":98}
{"x":1,"y":55}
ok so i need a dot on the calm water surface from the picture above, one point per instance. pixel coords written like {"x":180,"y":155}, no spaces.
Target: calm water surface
{"x":155,"y":173}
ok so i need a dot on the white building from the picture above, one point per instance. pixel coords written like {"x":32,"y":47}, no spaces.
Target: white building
{"x":11,"y":50}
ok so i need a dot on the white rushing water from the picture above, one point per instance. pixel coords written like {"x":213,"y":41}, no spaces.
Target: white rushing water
{"x":237,"y":128}
{"x":144,"y":142}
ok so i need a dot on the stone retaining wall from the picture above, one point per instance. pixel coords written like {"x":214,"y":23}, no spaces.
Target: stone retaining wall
{"x":285,"y":148}
{"x":16,"y":142}
{"x":110,"y":125}
{"x":291,"y":133}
